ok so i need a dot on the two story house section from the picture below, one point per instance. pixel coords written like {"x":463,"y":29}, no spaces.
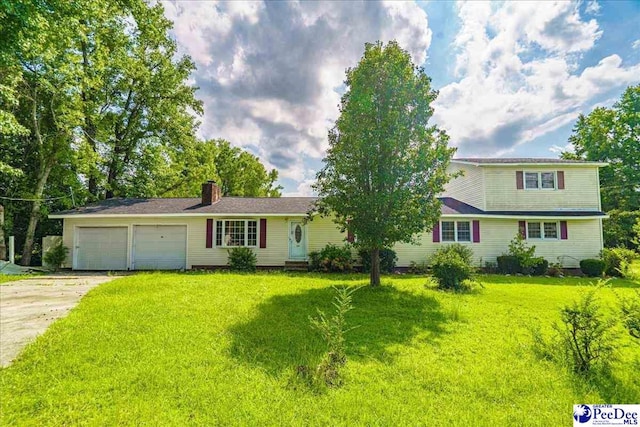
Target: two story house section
{"x":553,"y":203}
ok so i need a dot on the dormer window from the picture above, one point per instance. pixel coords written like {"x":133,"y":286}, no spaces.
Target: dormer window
{"x":540,"y":180}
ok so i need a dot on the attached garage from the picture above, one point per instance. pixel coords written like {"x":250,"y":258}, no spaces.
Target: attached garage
{"x":101,"y":248}
{"x":159,"y":247}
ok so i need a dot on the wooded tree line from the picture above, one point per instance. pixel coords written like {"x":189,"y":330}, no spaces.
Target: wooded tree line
{"x":613,"y":135}
{"x":96,"y":103}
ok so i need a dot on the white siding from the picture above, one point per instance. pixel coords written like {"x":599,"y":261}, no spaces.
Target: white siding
{"x":320,"y":232}
{"x":468,"y":188}
{"x":584,"y":241}
{"x":581,"y":190}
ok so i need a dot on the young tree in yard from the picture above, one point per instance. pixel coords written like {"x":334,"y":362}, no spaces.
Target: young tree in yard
{"x":385,"y":164}
{"x":613,"y":135}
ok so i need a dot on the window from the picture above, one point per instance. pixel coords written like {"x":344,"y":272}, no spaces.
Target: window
{"x":533,"y":230}
{"x":456,"y":231}
{"x":448,"y":231}
{"x":542,"y":230}
{"x":232,"y":233}
{"x":548,"y":180}
{"x":550,"y":230}
{"x":540,"y":180}
{"x":531,"y":180}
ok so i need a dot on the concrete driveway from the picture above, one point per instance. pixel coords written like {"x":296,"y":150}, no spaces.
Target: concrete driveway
{"x":29,"y":306}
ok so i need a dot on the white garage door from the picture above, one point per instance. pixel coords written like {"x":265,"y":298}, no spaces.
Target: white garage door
{"x":159,"y":247}
{"x":101,"y":248}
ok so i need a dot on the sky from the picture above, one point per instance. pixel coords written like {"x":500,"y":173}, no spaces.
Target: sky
{"x":512,"y":76}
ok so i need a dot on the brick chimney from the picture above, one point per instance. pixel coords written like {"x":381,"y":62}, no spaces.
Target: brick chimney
{"x":210,"y":193}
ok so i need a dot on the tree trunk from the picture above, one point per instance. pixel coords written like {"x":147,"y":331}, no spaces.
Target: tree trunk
{"x":375,"y":267}
{"x":35,"y":215}
{"x":89,"y":127}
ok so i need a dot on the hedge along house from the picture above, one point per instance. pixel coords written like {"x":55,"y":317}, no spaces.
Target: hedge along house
{"x":554,"y":204}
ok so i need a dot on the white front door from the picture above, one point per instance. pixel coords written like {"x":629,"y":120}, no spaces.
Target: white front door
{"x":297,"y":240}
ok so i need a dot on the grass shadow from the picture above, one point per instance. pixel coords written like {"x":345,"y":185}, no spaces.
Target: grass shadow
{"x":280,"y":337}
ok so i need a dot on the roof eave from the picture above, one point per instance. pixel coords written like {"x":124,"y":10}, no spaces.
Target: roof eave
{"x":173,"y":215}
{"x":525,"y":165}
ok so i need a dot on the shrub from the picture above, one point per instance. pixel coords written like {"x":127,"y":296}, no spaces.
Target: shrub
{"x":586,"y":336}
{"x":592,"y":267}
{"x":418,"y":267}
{"x":521,"y":259}
{"x":584,"y":340}
{"x":508,"y":264}
{"x":491,"y":267}
{"x":518,"y":248}
{"x":56,"y":256}
{"x":242,"y":259}
{"x":333,"y":330}
{"x":537,"y":267}
{"x":465,"y":252}
{"x":630,"y":309}
{"x":617,"y":260}
{"x":555,"y":270}
{"x":388,"y":260}
{"x":331,"y":258}
{"x":451,"y":269}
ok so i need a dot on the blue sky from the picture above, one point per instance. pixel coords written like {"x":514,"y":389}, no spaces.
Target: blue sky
{"x":513,"y":76}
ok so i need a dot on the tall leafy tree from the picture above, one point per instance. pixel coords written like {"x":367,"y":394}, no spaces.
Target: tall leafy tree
{"x":240,"y":173}
{"x":385,"y":164}
{"x":613,"y":135}
{"x":136,"y":96}
{"x":42,"y":75}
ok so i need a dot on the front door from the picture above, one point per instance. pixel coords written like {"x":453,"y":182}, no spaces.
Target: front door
{"x":297,"y":240}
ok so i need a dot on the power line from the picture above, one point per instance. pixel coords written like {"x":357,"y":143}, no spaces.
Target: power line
{"x":33,"y":200}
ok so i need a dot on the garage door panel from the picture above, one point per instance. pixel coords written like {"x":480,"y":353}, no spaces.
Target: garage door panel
{"x":101,"y":248}
{"x":159,"y":247}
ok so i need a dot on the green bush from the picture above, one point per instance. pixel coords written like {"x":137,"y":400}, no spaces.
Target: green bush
{"x":418,"y":267}
{"x":333,"y":330}
{"x":242,"y":259}
{"x":584,"y":341}
{"x":538,"y":266}
{"x":592,"y":267}
{"x":630,"y":310}
{"x":56,"y":256}
{"x":508,"y":264}
{"x":521,"y":259}
{"x":451,"y":269}
{"x":617,"y":260}
{"x":586,"y":336}
{"x":555,"y":270}
{"x":388,"y":260}
{"x":331,"y":258}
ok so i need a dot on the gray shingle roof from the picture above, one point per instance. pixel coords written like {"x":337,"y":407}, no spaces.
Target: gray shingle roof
{"x":268,"y":206}
{"x":226,"y":205}
{"x":520,"y":160}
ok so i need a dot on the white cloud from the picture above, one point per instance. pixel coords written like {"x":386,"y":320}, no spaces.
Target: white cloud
{"x":592,"y":7}
{"x":268,"y":71}
{"x":518,"y":79}
{"x":636,"y":44}
{"x":302,"y":190}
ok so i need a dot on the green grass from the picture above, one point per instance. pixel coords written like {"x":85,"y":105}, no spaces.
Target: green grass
{"x":5,"y":278}
{"x":221,"y":349}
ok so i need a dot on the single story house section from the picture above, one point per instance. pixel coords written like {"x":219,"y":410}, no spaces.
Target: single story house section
{"x":189,"y":233}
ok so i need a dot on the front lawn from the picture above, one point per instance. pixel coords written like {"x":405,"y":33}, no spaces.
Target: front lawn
{"x":222,"y":349}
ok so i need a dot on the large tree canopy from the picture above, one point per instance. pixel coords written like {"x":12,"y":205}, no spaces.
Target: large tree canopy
{"x":385,"y":164}
{"x":95,"y":102}
{"x":613,"y":135}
